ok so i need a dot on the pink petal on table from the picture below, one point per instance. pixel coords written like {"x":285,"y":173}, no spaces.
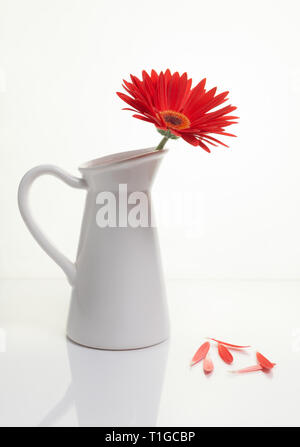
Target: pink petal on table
{"x":208,"y":365}
{"x":225,"y":355}
{"x":264,"y":362}
{"x":229,"y":345}
{"x":201,"y":353}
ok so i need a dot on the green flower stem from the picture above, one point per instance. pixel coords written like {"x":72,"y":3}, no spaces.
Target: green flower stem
{"x":162,"y":144}
{"x":167,"y":134}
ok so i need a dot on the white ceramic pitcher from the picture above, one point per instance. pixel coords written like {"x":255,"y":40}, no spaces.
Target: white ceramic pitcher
{"x":118,"y":298}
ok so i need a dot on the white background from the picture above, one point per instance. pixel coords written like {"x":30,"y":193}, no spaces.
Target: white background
{"x":229,"y":220}
{"x":61,"y":62}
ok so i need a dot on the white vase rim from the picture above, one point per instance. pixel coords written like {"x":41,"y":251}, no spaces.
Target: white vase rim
{"x":120,"y":157}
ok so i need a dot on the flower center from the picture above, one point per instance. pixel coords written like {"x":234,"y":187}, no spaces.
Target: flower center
{"x":175,"y":120}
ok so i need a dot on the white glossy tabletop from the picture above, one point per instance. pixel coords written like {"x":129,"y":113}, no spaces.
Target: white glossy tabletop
{"x":49,"y":381}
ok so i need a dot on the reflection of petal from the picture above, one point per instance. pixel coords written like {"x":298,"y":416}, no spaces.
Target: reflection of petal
{"x":208,"y":365}
{"x":112,"y":388}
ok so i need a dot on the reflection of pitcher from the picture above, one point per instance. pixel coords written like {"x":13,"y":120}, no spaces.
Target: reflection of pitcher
{"x":118,"y":299}
{"x":113,"y":388}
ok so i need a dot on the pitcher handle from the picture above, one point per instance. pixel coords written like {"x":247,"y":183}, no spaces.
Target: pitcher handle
{"x":67,"y":266}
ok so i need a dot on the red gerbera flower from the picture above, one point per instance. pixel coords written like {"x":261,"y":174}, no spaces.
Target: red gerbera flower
{"x":177,"y":110}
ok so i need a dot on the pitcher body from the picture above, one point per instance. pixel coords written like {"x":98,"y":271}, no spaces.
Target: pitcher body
{"x":118,"y":294}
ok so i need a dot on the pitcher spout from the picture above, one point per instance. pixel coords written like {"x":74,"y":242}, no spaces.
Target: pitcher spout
{"x":136,"y":169}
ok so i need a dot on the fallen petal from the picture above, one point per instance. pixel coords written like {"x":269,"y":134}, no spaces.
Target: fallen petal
{"x":229,"y":344}
{"x":201,"y":353}
{"x":208,"y":365}
{"x":248,"y":369}
{"x":225,"y":354}
{"x":264,"y":362}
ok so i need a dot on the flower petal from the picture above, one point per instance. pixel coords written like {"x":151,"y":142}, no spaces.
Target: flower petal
{"x":225,"y":354}
{"x":190,"y":139}
{"x":264,"y":362}
{"x":156,"y":93}
{"x":143,"y":118}
{"x":201,"y":353}
{"x":201,"y":144}
{"x":208,"y":365}
{"x":229,"y":344}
